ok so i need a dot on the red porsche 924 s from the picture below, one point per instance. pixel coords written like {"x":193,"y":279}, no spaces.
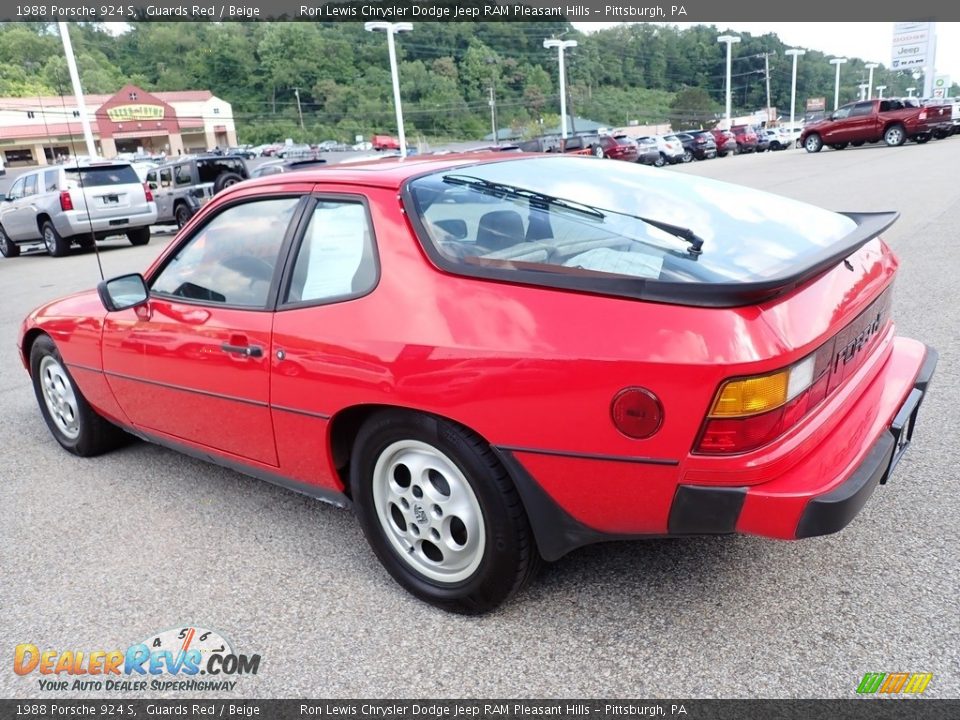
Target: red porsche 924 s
{"x":497,"y":359}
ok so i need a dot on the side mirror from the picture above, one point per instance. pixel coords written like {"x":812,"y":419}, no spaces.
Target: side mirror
{"x":153,"y":185}
{"x":121,"y":293}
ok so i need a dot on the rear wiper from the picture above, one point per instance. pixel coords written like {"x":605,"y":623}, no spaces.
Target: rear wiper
{"x":696,"y":242}
{"x":496,"y":189}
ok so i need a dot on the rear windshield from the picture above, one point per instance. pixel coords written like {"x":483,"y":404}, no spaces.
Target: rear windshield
{"x":568,"y":215}
{"x":101,"y":175}
{"x":210,"y":169}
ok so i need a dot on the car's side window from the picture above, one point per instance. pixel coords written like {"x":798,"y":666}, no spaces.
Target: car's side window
{"x":16,"y":192}
{"x":336,"y":259}
{"x":231,"y":259}
{"x":30,"y":186}
{"x":181,"y":175}
{"x":165,"y":178}
{"x":50,"y":181}
{"x":842,"y":113}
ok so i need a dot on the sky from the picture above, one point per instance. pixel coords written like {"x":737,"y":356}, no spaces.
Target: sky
{"x":868,"y":40}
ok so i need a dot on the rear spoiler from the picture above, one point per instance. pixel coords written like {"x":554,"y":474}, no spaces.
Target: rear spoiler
{"x":869,"y":226}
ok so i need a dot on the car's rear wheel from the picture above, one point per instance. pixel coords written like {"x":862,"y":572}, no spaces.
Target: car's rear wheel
{"x":57,"y":245}
{"x":895,"y":135}
{"x":139,"y":236}
{"x":921,"y":139}
{"x":8,"y":248}
{"x":440,"y":511}
{"x":839,"y":146}
{"x":181,"y":214}
{"x":858,"y":143}
{"x":687,"y":156}
{"x":813,"y":143}
{"x":72,"y":422}
{"x":226,"y":180}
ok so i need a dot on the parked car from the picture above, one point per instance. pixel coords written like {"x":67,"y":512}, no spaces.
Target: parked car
{"x":891,"y":120}
{"x":939,"y":114}
{"x":541,"y":144}
{"x":778,"y":138}
{"x":385,"y":142}
{"x":763,"y":142}
{"x":587,"y":143}
{"x":75,"y":205}
{"x":244,"y":151}
{"x":618,"y":147}
{"x":746,"y":138}
{"x":671,"y":150}
{"x":647,"y":152}
{"x":697,"y":145}
{"x":362,"y":146}
{"x":183,"y":186}
{"x":3,"y":168}
{"x":726,"y":142}
{"x":275,"y":167}
{"x":256,"y":340}
{"x":296,"y":151}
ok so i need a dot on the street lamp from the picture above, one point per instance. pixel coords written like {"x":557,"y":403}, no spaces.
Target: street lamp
{"x":911,"y":91}
{"x":880,"y":89}
{"x":562,"y":45}
{"x":795,"y":52}
{"x":836,"y":87}
{"x":871,"y":67}
{"x":392,"y":29}
{"x":729,"y":40}
{"x":863,"y":90}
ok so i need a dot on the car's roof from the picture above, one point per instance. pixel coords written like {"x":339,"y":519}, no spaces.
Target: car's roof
{"x":390,"y":172}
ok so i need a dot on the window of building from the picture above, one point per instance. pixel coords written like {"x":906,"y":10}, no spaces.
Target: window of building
{"x":31,"y":114}
{"x":216,"y":111}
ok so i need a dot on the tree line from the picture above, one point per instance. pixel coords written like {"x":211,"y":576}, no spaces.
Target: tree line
{"x":637,"y":72}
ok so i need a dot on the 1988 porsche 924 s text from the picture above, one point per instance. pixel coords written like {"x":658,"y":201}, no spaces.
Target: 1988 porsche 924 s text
{"x":498,"y":359}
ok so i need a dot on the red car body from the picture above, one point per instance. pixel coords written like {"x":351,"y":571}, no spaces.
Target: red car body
{"x":746,"y":138}
{"x":535,"y":371}
{"x":891,"y":120}
{"x":619,"y":147}
{"x":726,"y":141}
{"x":385,"y":142}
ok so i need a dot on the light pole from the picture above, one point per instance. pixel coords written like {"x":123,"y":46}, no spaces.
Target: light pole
{"x":77,"y":90}
{"x":836,"y":87}
{"x":880,"y":89}
{"x":493,"y":100}
{"x":729,"y":40}
{"x":392,"y":29}
{"x":863,"y":91}
{"x":911,"y":91}
{"x":795,"y":52}
{"x":871,"y":67}
{"x":296,"y":91}
{"x":562,"y":45}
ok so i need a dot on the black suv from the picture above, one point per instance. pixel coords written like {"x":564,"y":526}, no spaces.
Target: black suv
{"x":697,"y":144}
{"x":182,"y":186}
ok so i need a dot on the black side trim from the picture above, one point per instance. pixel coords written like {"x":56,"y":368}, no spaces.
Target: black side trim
{"x":296,"y":411}
{"x":834,"y":510}
{"x":181,"y":388}
{"x":700,"y":510}
{"x":926,"y":370}
{"x":77,"y":366}
{"x":591,"y":456}
{"x":555,"y":530}
{"x":326,"y":495}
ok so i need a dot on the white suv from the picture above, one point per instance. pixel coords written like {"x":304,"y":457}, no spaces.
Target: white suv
{"x":75,"y":204}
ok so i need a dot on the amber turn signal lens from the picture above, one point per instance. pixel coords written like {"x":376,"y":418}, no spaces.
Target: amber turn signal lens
{"x":636,"y":412}
{"x":750,"y":396}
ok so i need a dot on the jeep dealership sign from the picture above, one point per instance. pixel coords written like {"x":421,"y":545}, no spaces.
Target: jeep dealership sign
{"x":911,"y":45}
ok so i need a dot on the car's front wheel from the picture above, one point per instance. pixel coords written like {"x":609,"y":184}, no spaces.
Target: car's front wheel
{"x":440,"y":511}
{"x":72,"y":422}
{"x":660,"y":161}
{"x":8,"y":248}
{"x":598,"y":151}
{"x":813,"y":143}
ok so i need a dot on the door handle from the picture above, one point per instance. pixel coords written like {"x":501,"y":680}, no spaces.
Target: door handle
{"x":253,"y":351}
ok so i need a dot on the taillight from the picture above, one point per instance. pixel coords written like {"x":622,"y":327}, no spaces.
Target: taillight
{"x":636,"y":412}
{"x":66,"y":202}
{"x":923,"y":114}
{"x":148,"y":192}
{"x":749,"y":412}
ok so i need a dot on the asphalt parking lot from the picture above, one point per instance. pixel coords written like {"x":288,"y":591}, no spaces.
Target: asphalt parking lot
{"x":101,"y":553}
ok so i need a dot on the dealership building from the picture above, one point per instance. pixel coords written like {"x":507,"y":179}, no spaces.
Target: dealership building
{"x":38,"y":130}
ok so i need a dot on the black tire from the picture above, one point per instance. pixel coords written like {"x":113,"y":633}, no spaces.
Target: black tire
{"x":921,"y":139}
{"x":660,"y":161}
{"x":508,"y":556}
{"x":895,"y":135}
{"x":839,"y":146}
{"x":56,"y":244}
{"x":226,"y":180}
{"x":86,"y":242}
{"x":139,"y":236}
{"x":687,"y":156}
{"x":858,"y":143}
{"x":182,"y":214}
{"x":8,"y":248}
{"x":813,"y":143}
{"x":94,"y":435}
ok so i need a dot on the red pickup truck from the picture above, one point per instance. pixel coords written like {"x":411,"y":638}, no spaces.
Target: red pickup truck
{"x":892,"y":120}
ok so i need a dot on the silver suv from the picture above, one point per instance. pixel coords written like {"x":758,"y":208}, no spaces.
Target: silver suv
{"x":75,"y":205}
{"x":184,"y":185}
